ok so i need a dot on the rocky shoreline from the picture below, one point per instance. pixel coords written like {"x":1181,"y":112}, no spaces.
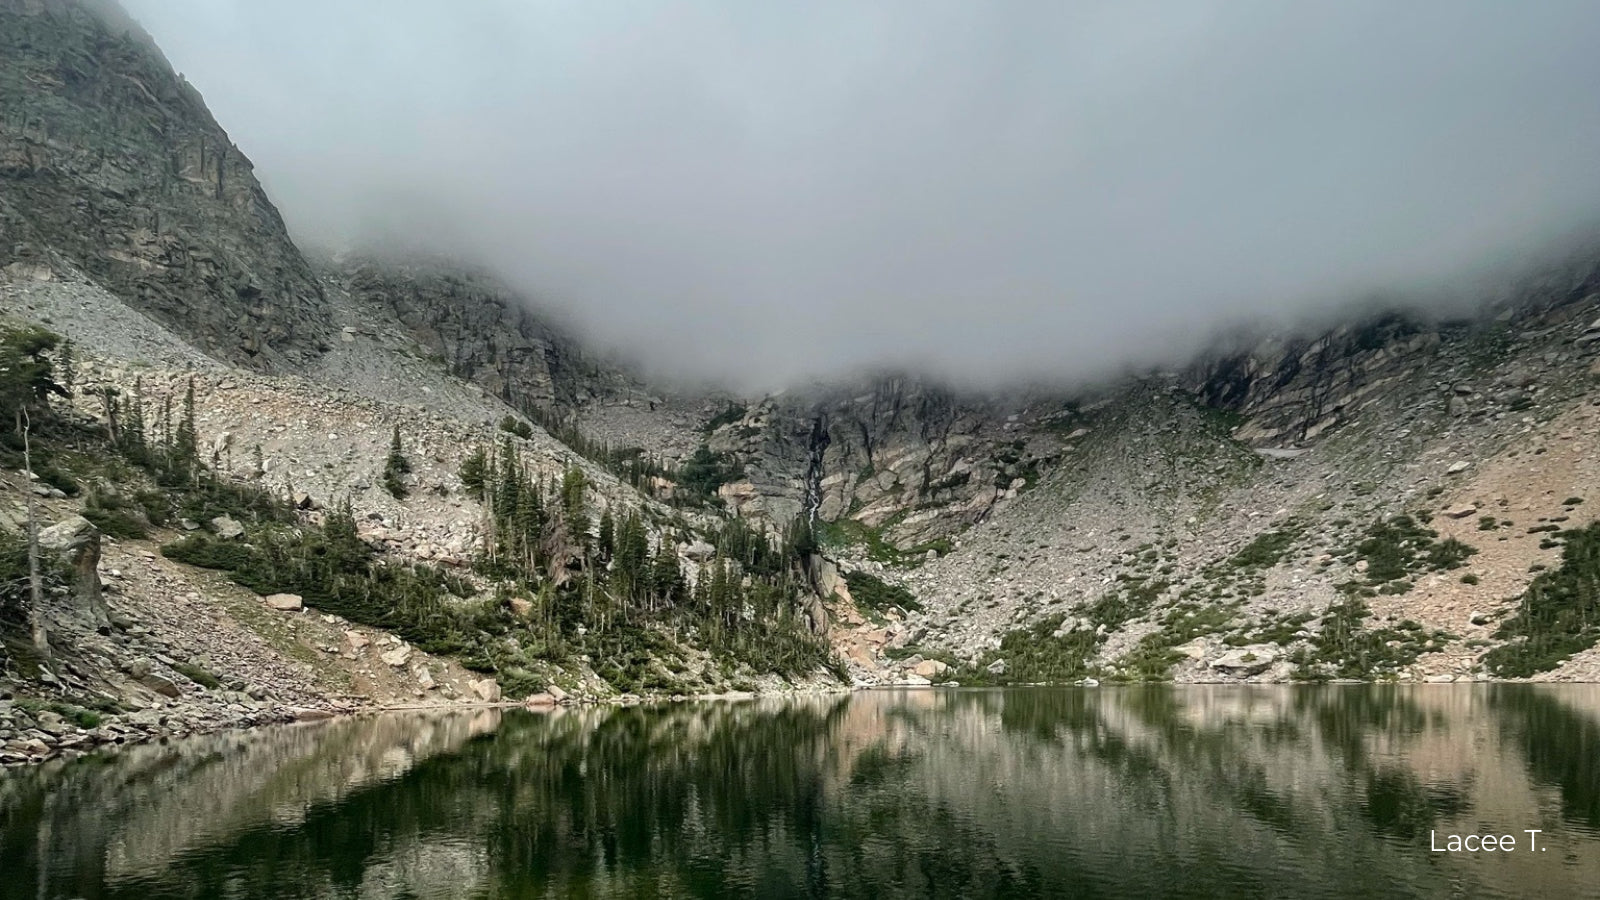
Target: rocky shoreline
{"x":35,"y":731}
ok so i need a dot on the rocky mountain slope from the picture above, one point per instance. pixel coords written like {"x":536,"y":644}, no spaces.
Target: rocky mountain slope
{"x":114,"y":168}
{"x":1398,"y":497}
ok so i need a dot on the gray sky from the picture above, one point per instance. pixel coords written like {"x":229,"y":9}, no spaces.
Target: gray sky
{"x":762,"y":191}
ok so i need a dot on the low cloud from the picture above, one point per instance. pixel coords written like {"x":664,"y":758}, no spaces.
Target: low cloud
{"x":761,"y":192}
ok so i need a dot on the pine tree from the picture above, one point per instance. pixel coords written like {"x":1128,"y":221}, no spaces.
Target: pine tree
{"x":396,"y":467}
{"x":666,"y":579}
{"x":185,"y":444}
{"x":608,"y":535}
{"x":572,"y":485}
{"x":134,"y":437}
{"x":474,"y":470}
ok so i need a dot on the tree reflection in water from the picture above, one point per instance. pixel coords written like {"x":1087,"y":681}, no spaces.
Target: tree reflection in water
{"x":1192,"y":791}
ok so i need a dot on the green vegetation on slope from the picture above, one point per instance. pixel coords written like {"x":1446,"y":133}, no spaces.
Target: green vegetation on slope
{"x":1559,"y":614}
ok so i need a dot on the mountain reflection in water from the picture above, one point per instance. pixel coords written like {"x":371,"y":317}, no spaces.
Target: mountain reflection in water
{"x":1136,"y":792}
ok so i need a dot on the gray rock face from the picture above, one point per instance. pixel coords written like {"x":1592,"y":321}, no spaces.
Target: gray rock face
{"x":1246,"y":661}
{"x":161,"y":684}
{"x":111,"y":166}
{"x":895,"y":453}
{"x":284,"y":602}
{"x":485,"y":333}
{"x":77,"y":543}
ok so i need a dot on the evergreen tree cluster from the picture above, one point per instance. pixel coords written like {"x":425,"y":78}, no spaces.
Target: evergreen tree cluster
{"x":608,"y":591}
{"x":697,"y":478}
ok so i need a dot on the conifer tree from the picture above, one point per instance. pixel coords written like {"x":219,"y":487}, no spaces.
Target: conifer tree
{"x":474,"y":471}
{"x":608,"y":535}
{"x":185,"y":443}
{"x":395,"y":467}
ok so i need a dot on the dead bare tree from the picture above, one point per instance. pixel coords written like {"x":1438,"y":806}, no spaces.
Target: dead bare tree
{"x":36,"y":626}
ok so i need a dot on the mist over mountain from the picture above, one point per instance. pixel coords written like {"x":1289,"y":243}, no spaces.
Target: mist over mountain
{"x":1057,"y":191}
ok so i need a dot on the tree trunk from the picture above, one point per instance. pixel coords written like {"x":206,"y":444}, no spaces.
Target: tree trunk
{"x":41,"y":637}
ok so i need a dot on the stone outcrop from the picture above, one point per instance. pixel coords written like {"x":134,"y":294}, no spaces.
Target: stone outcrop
{"x":484,"y":332}
{"x":76,"y":542}
{"x":112,"y":168}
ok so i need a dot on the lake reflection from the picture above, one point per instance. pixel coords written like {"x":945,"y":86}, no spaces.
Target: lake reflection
{"x":1137,"y":792}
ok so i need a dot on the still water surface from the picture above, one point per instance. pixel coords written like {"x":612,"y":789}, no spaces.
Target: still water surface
{"x":1136,"y":792}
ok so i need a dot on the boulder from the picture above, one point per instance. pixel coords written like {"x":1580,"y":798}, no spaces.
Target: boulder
{"x":76,"y":542}
{"x":356,"y":641}
{"x":930,"y":668}
{"x":1250,"y":660}
{"x":1456,"y":468}
{"x":541,"y":699}
{"x":285,"y":602}
{"x":817,"y":616}
{"x":1479,"y":617}
{"x":397,"y":657}
{"x":1462,"y":511}
{"x":227,"y":528}
{"x":700,"y":551}
{"x":998,"y":667}
{"x":161,"y":684}
{"x":556,"y":692}
{"x":488,"y":690}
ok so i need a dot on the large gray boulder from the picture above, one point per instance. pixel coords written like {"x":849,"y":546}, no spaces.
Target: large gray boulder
{"x":1245,"y":661}
{"x":76,"y":543}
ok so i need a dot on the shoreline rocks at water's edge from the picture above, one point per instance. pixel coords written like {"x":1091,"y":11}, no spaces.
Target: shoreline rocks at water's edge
{"x":31,"y":732}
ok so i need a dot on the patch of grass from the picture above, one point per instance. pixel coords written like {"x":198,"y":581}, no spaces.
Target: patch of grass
{"x":843,"y":533}
{"x":78,"y":715}
{"x":197,"y":675}
{"x":1469,"y":578}
{"x":1559,"y":614}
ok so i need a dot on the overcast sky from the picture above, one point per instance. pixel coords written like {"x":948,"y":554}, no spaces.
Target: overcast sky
{"x":762,"y":190}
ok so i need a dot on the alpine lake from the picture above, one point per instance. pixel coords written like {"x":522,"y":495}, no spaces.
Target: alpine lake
{"x":1111,"y":792}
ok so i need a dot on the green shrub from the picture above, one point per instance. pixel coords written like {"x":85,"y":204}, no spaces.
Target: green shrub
{"x":873,"y":594}
{"x":1559,"y":614}
{"x":197,"y":675}
{"x":115,"y":516}
{"x":1346,"y":649}
{"x":513,"y":425}
{"x":733,"y":412}
{"x":1398,"y":547}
